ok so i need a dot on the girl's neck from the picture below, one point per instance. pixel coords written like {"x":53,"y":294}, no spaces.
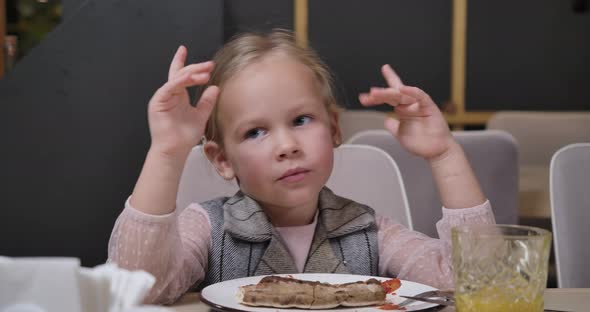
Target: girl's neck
{"x":280,"y":216}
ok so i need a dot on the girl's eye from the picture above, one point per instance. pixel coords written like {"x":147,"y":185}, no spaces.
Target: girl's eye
{"x":301,"y":120}
{"x":253,"y":133}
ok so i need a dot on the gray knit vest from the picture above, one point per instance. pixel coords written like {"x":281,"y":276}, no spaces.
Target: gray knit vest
{"x":244,"y":243}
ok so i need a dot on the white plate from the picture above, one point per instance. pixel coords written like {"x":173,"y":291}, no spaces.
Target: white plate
{"x":224,"y":295}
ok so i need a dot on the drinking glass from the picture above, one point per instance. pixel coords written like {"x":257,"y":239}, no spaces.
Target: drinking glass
{"x":500,"y":267}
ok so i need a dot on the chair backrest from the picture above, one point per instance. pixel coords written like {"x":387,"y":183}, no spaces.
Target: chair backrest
{"x":570,"y":210}
{"x":493,"y":156}
{"x":353,"y":121}
{"x":200,"y":182}
{"x":364,"y":174}
{"x":540,"y":134}
{"x":370,"y":176}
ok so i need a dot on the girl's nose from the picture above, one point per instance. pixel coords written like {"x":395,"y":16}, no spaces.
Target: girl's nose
{"x":287,"y":146}
{"x":289,"y":153}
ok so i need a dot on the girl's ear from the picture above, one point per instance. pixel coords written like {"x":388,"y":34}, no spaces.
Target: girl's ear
{"x":335,"y":128}
{"x":217,"y":157}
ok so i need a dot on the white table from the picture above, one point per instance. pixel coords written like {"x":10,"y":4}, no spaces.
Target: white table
{"x":566,"y":299}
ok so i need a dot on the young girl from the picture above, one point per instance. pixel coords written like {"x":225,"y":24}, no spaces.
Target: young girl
{"x":270,"y":121}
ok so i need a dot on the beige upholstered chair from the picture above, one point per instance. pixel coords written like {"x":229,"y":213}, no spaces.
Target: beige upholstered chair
{"x":492,"y":155}
{"x":570,"y":210}
{"x":200,"y":182}
{"x":539,"y":135}
{"x":365,"y":174}
{"x":353,"y":121}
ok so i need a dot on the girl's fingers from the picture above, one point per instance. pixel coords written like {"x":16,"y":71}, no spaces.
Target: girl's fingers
{"x":385,"y":95}
{"x":371,"y":99}
{"x":392,"y":125}
{"x":416,"y":93}
{"x":424,"y":105}
{"x":199,"y":68}
{"x":177,"y":62}
{"x":177,"y":67}
{"x":365,"y":99}
{"x":377,"y":96}
{"x":179,"y":84}
{"x":391,"y":96}
{"x":393,"y":80}
{"x":207,"y":101}
{"x":411,"y":110}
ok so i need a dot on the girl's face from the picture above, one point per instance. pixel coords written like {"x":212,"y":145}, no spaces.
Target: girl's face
{"x":278,"y":135}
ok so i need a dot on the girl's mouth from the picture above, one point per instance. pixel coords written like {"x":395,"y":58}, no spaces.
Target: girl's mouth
{"x":294,"y":175}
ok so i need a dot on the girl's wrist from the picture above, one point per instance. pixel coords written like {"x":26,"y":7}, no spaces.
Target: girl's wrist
{"x":455,"y":179}
{"x":173,"y":157}
{"x":170,"y":151}
{"x":453,"y":149}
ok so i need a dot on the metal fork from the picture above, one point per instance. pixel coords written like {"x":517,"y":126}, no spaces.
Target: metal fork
{"x":444,"y":297}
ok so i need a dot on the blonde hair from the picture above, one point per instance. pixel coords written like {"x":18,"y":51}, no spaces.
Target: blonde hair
{"x":249,"y":48}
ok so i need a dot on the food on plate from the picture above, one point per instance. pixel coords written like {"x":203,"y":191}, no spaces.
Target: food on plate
{"x":391,"y":285}
{"x":287,"y":292}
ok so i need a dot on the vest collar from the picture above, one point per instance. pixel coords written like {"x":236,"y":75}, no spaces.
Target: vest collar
{"x":341,"y":216}
{"x":245,"y":219}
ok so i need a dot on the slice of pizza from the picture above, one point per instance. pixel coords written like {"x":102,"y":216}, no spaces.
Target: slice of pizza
{"x":286,"y":292}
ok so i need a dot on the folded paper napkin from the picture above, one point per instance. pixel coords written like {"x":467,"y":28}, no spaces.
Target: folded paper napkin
{"x":61,"y":284}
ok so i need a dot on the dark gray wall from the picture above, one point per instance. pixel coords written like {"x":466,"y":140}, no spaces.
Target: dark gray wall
{"x":69,"y":7}
{"x":256,"y":15}
{"x":527,"y":55}
{"x":74,"y":125}
{"x":74,"y":128}
{"x":356,"y":37}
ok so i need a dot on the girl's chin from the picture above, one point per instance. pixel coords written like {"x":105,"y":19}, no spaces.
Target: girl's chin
{"x":293,"y":195}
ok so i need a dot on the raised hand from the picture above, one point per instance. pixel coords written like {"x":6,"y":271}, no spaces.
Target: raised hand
{"x":175,"y":125}
{"x":420,"y":127}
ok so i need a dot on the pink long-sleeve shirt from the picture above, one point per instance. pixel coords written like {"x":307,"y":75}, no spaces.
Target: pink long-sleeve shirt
{"x":174,"y":247}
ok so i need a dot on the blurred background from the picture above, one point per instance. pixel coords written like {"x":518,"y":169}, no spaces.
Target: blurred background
{"x":76,"y":77}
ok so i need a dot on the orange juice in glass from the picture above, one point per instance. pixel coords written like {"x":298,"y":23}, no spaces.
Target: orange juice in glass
{"x":500,"y":267}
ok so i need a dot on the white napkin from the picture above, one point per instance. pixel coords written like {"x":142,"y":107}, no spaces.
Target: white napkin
{"x":60,"y":284}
